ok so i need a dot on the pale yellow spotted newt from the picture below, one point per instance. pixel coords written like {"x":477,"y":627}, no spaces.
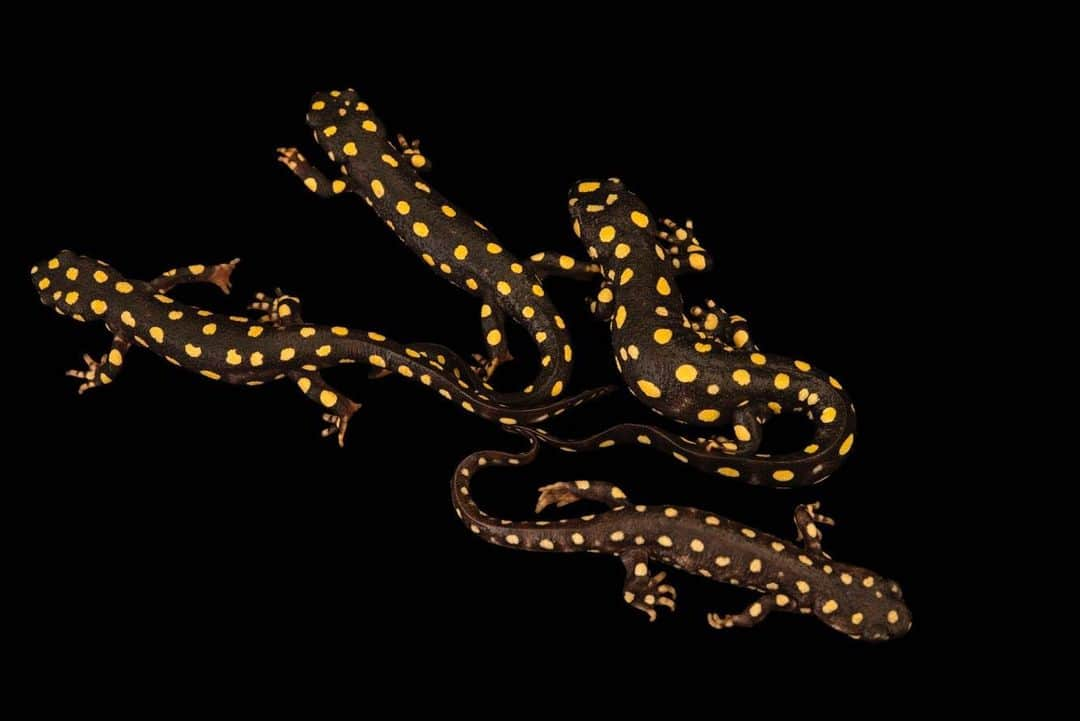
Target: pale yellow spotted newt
{"x":236,"y":349}
{"x":458,"y":247}
{"x":701,"y":370}
{"x":791,"y":577}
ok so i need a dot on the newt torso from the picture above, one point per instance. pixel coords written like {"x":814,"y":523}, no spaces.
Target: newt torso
{"x":791,"y":577}
{"x":449,"y":240}
{"x":237,"y":349}
{"x":704,"y":373}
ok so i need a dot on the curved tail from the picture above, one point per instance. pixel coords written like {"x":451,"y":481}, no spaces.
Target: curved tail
{"x":834,"y":438}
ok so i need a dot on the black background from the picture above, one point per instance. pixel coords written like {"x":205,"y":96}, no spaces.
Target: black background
{"x":174,"y":515}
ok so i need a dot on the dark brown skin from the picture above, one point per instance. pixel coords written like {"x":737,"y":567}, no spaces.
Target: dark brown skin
{"x":792,"y":577}
{"x":237,"y":349}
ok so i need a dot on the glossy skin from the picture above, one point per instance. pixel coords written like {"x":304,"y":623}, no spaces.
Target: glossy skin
{"x":449,"y":240}
{"x":792,"y":577}
{"x":236,"y":349}
{"x":706,"y":372}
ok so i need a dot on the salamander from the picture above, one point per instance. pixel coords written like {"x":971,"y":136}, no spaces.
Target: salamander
{"x":791,"y":577}
{"x":706,"y":371}
{"x":453,"y":243}
{"x":237,"y":349}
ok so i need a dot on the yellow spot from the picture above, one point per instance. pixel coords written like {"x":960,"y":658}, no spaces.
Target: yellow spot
{"x":757,"y":359}
{"x":127,"y":319}
{"x":71,"y":297}
{"x":328,"y":398}
{"x":377,"y":361}
{"x":802,"y":365}
{"x":307,"y":332}
{"x":845,"y":578}
{"x":422,"y":186}
{"x":377,"y":188}
{"x":639,"y":219}
{"x":722,"y":561}
{"x":557,"y":388}
{"x":633,"y":351}
{"x":211,"y":375}
{"x":204,"y":312}
{"x":350,"y":148}
{"x":100,"y":277}
{"x":402,"y":207}
{"x":508,"y":421}
{"x":53,"y":264}
{"x":812,"y":448}
{"x":777,"y":546}
{"x":318,"y":105}
{"x":742,"y":432}
{"x":339,"y":330}
{"x":620,"y":316}
{"x":742,"y":377}
{"x":740,"y":338}
{"x":755,"y":566}
{"x":98,"y":306}
{"x":686,"y":373}
{"x":748,"y":532}
{"x":617,"y":536}
{"x":663,"y":287}
{"x":578,"y":539}
{"x":72,"y":273}
{"x":311,"y":184}
{"x":116,"y":357}
{"x":697,"y":261}
{"x":805,"y":560}
{"x":305,"y":384}
{"x":622,"y":250}
{"x":322,"y":351}
{"x":588,"y":187}
{"x":420,"y":229}
{"x":209,"y":329}
{"x":845,"y":447}
{"x":567,"y":353}
{"x":856,"y":618}
{"x":605,"y":295}
{"x":43,"y":283}
{"x":775,"y":407}
{"x":494,"y":336}
{"x":485,"y":310}
{"x":782,"y":381}
{"x":892,"y":617}
{"x":662,"y":335}
{"x":376,"y":336}
{"x":494,"y":248}
{"x":176,"y":314}
{"x":124,"y":287}
{"x":729,"y":472}
{"x":287,"y":354}
{"x":559,"y":322}
{"x":503,"y":287}
{"x":627,"y":274}
{"x":708,"y":415}
{"x":783,"y":476}
{"x":256,"y":358}
{"x":471,"y":283}
{"x":868,"y":582}
{"x":803,"y":586}
{"x":712,"y":389}
{"x":607,"y":234}
{"x":649,"y":389}
{"x":232,"y":357}
{"x":671,"y":512}
{"x":528,"y":311}
{"x":755,"y":609}
{"x":828,"y":415}
{"x":697,"y":546}
{"x":389,"y":160}
{"x":193,"y":350}
{"x":782,"y":600}
{"x":105,"y":379}
{"x":664,"y":541}
{"x":835,"y":383}
{"x":461,"y":252}
{"x":337,"y":186}
{"x":641,"y":570}
{"x":829,"y":606}
{"x":538,"y":291}
{"x":368,"y":126}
